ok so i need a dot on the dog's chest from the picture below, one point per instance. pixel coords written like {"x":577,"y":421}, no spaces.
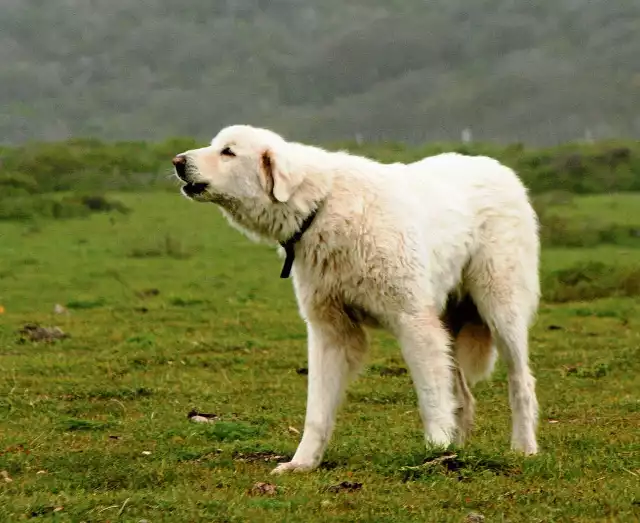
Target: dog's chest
{"x":366,"y":294}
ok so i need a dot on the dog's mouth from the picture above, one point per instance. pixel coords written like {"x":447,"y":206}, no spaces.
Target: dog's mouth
{"x":194,"y":189}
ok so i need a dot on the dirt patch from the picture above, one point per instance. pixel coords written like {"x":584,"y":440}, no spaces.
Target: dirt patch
{"x":345,"y":486}
{"x":392,"y":371}
{"x":147,"y":293}
{"x":36,"y":333}
{"x":263,"y":489}
{"x":253,"y":457}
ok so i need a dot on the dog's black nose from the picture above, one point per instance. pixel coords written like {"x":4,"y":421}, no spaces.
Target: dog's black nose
{"x":180,"y":163}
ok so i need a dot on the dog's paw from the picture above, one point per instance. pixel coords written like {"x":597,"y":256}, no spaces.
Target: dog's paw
{"x":528,"y":448}
{"x":292,"y":466}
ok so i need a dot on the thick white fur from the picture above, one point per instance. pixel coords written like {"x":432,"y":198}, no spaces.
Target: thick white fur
{"x":388,"y":245}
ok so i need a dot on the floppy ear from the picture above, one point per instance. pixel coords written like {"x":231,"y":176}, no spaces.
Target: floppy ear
{"x":279,"y":182}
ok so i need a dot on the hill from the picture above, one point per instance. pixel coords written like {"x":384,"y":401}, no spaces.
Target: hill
{"x":372,"y":69}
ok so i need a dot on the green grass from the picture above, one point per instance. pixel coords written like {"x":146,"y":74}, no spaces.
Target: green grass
{"x":617,"y":208}
{"x":96,"y":425}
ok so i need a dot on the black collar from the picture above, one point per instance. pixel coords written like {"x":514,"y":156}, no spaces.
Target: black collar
{"x":290,"y":245}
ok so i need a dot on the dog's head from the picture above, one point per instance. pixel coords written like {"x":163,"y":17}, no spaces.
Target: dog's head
{"x":242,"y":164}
{"x":265,"y":185}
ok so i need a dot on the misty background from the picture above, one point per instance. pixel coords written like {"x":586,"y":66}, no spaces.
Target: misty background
{"x":322,"y":70}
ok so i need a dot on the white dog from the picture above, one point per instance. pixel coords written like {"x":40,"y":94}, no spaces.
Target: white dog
{"x":443,"y":253}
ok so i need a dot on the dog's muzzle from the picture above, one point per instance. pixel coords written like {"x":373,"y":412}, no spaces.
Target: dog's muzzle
{"x":190,"y":188}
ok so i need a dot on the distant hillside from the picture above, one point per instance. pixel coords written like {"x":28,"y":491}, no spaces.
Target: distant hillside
{"x":320,"y":70}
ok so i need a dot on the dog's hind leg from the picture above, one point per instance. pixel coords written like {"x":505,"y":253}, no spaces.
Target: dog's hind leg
{"x":336,"y":350}
{"x":506,"y":293}
{"x":425,"y":348}
{"x":466,"y":407}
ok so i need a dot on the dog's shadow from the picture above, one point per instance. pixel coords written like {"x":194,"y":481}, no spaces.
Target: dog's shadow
{"x":456,"y":463}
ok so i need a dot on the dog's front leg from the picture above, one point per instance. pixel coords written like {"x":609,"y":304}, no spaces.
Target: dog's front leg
{"x":335,"y":352}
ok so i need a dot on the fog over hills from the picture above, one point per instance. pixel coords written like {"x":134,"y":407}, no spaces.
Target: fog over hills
{"x":320,"y":70}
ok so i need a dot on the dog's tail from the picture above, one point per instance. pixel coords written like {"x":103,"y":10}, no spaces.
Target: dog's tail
{"x":473,"y":347}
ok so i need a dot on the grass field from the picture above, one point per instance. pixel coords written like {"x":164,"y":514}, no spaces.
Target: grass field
{"x":169,"y":310}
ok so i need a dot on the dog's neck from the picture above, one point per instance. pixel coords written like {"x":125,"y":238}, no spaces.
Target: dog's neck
{"x":274,"y":222}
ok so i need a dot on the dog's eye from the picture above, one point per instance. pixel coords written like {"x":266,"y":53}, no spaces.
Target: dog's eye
{"x":227,"y":152}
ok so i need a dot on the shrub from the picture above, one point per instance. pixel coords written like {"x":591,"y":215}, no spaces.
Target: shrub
{"x":98,"y":203}
{"x":557,"y":231}
{"x":77,"y":165}
{"x":589,"y":281}
{"x":17,"y":183}
{"x":23,"y":208}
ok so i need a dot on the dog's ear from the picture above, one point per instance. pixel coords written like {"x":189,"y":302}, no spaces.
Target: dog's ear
{"x":278,"y":181}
